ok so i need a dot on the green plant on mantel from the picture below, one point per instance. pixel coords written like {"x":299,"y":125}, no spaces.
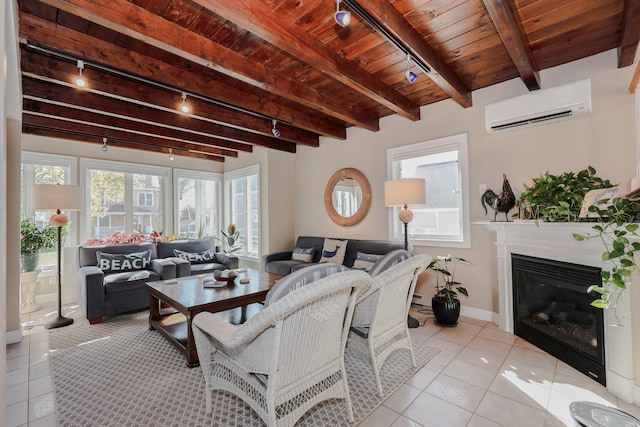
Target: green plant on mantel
{"x":558,"y":198}
{"x":617,"y":229}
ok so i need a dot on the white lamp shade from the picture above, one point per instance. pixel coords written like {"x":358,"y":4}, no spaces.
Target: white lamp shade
{"x":50,"y":197}
{"x":407,"y":191}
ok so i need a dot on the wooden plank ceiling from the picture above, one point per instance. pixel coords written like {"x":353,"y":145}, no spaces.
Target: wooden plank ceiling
{"x":244,"y":63}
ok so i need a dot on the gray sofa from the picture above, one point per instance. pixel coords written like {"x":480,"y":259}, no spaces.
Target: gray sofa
{"x":282,"y":263}
{"x":111,"y":278}
{"x":191,"y":264}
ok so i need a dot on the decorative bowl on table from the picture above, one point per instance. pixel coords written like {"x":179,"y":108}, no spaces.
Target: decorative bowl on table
{"x":224,"y":276}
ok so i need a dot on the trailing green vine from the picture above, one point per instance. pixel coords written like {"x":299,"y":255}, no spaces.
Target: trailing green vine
{"x":617,"y":228}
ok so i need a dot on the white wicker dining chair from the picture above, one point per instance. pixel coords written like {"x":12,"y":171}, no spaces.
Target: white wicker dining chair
{"x":381,"y":312}
{"x":288,"y":357}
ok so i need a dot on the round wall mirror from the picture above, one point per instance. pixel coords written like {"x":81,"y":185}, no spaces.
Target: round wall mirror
{"x":347,"y":197}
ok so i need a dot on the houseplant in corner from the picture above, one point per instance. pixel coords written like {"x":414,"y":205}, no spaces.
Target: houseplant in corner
{"x":445,"y":302}
{"x":34,"y":239}
{"x":230,"y":241}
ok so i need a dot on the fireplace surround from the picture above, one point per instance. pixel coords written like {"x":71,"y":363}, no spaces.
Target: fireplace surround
{"x":554,"y":241}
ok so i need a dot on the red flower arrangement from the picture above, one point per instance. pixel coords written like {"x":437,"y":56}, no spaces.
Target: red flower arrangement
{"x":118,"y":238}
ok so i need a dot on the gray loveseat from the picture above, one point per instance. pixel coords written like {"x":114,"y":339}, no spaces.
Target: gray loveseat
{"x":111,"y":278}
{"x":282,"y":263}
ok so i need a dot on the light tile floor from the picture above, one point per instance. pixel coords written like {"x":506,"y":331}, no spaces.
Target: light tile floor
{"x":482,"y":377}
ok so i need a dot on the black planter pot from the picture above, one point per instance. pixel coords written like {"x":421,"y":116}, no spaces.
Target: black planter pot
{"x":446,"y":313}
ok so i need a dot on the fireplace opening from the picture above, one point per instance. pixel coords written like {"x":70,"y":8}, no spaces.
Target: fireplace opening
{"x":552,"y":311}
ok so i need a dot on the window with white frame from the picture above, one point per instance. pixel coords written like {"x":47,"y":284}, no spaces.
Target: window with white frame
{"x":242,"y":196}
{"x":145,"y":199}
{"x":113,"y":193}
{"x":443,"y":163}
{"x":198,"y":203}
{"x":38,"y":168}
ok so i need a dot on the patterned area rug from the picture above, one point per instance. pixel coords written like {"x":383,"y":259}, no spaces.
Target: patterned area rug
{"x":119,"y":373}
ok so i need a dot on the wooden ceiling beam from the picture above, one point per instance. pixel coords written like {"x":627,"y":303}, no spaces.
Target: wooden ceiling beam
{"x":260,"y":19}
{"x":172,"y":138}
{"x":222,"y":136}
{"x":140,"y":24}
{"x":83,"y":46}
{"x":442,"y":75}
{"x":54,"y":128}
{"x":512,"y":35}
{"x":101,"y":82}
{"x":630,"y":34}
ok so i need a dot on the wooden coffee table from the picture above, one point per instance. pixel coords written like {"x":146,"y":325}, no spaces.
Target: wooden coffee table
{"x":188,"y":296}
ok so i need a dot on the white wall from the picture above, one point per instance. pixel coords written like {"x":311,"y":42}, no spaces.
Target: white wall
{"x":10,"y":107}
{"x":604,"y":140}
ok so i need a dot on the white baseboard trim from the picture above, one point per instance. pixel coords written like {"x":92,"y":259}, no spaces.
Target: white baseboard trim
{"x":422,"y":300}
{"x":474,"y":313}
{"x":13,"y":337}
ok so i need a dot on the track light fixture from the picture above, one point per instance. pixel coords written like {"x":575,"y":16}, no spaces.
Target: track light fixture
{"x":184,"y":107}
{"x":171,"y":154}
{"x":411,"y":76}
{"x":104,"y":144}
{"x":275,"y":131}
{"x":80,"y":81}
{"x":342,"y":17}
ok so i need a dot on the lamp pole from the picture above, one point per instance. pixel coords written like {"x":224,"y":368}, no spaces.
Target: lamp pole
{"x":58,"y":198}
{"x":59,"y":220}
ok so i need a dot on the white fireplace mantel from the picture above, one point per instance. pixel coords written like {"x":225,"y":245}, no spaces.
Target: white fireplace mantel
{"x":555,"y":241}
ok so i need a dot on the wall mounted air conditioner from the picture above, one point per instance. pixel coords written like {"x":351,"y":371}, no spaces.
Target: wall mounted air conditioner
{"x":541,"y":106}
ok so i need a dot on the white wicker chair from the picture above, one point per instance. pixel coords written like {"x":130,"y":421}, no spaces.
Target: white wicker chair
{"x":288,"y":357}
{"x":381,"y":312}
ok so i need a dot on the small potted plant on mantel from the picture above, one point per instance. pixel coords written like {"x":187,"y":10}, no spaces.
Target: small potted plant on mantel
{"x":445,"y":302}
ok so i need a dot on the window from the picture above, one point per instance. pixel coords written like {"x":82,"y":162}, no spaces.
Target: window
{"x":39,"y":168}
{"x":444,"y":220}
{"x":145,"y":199}
{"x":198,"y":203}
{"x":111,"y":189}
{"x":242,"y":195}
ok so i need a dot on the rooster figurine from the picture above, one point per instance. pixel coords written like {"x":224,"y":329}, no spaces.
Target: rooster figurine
{"x":502,"y":203}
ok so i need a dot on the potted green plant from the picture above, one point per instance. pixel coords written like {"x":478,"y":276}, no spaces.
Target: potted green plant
{"x":34,"y":239}
{"x":445,"y":302}
{"x":558,"y":198}
{"x":230,"y":241}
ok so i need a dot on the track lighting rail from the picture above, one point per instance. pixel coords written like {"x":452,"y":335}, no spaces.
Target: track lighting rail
{"x":98,"y":66}
{"x":379,"y":28}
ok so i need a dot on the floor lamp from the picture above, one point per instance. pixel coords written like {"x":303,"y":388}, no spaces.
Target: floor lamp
{"x":405,"y":192}
{"x":58,"y":198}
